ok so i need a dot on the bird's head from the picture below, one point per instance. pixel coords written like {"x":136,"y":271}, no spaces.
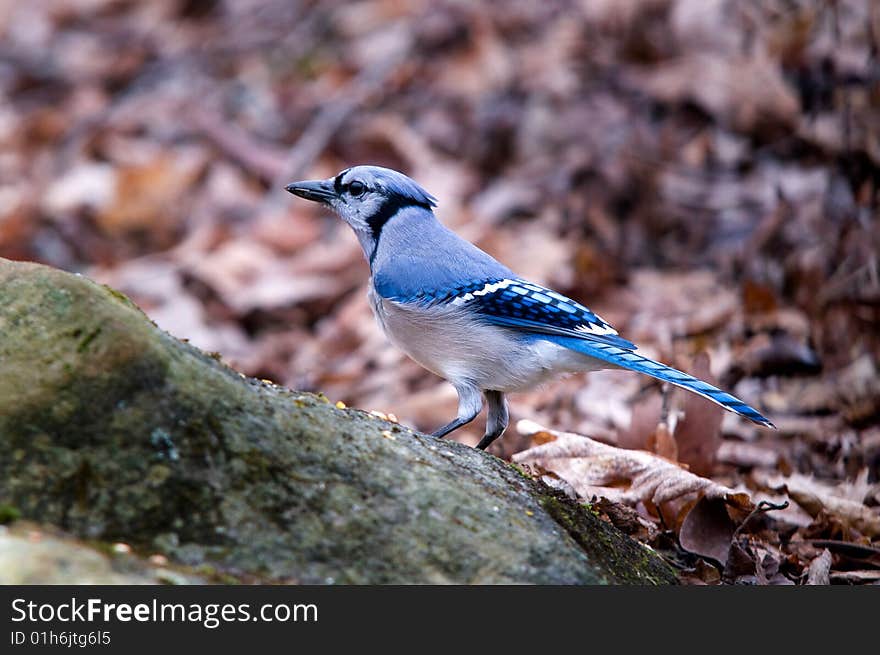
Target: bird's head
{"x":365,"y":197}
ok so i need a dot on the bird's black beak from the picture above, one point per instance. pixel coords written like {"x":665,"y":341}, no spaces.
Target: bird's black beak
{"x":317,"y":190}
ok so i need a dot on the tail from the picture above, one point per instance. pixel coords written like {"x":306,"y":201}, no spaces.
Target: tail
{"x":635,"y":362}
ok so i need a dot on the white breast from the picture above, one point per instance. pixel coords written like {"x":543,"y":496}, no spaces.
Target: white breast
{"x":449,"y":341}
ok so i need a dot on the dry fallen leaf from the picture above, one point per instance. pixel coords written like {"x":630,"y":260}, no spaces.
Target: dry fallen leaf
{"x":246,"y":275}
{"x":820,"y":569}
{"x":625,"y":518}
{"x":747,"y":455}
{"x":845,"y":501}
{"x":748,"y":93}
{"x":663,"y":443}
{"x":645,"y":417}
{"x":146,"y":193}
{"x":708,"y":530}
{"x":698,"y":433}
{"x":590,"y":467}
{"x":857,"y":577}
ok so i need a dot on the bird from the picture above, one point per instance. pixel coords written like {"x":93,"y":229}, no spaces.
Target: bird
{"x":465,"y":316}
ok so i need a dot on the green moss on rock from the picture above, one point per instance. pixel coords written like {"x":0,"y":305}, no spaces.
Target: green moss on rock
{"x":8,"y":514}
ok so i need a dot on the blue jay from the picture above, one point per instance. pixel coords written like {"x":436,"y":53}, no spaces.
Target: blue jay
{"x":466,"y":317}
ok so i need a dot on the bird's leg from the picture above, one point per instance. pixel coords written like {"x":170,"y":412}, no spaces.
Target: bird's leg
{"x":469,"y":405}
{"x":497,"y":420}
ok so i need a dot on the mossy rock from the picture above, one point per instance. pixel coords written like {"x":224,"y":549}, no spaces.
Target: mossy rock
{"x":114,"y":430}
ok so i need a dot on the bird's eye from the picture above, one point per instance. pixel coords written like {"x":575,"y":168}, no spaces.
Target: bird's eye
{"x":356,"y":188}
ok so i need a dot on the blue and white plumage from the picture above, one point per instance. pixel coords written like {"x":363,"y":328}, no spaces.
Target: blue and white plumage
{"x":466,"y":317}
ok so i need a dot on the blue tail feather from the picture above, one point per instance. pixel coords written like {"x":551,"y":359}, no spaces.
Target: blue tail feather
{"x":633,"y":361}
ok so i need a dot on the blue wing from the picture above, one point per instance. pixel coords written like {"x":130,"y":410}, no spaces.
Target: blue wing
{"x":532,"y":308}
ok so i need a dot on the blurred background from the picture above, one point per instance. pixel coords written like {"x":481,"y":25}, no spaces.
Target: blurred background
{"x":702,"y":173}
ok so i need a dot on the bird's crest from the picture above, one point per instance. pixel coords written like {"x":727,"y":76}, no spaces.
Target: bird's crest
{"x":391,"y":182}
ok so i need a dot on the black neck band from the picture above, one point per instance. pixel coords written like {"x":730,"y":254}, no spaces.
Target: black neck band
{"x":388,"y":209}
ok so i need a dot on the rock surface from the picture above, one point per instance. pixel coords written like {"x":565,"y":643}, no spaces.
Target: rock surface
{"x":31,"y":555}
{"x":115,"y":431}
